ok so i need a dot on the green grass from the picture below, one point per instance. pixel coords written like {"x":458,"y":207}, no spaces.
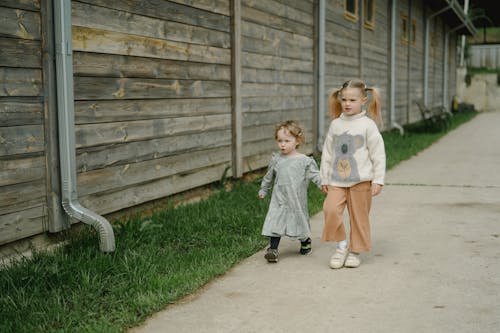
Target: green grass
{"x":158,"y":260}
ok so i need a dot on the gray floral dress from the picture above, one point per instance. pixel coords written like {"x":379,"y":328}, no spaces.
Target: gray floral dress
{"x":288,"y":214}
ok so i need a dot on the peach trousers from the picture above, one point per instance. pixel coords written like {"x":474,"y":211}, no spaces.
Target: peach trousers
{"x":358,"y":199}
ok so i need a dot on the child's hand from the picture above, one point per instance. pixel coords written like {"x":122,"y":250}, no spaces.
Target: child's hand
{"x":324,"y":189}
{"x":376,"y":189}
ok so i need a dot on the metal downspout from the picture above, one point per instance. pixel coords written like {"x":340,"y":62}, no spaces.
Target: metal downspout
{"x":445,"y":71}
{"x":392,"y":93}
{"x":67,"y":153}
{"x":321,"y":75}
{"x":426,"y":45}
{"x":462,"y":46}
{"x":445,"y":67}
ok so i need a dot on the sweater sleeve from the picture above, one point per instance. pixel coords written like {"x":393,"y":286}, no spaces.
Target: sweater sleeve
{"x":267,"y":180}
{"x":376,"y":150}
{"x":327,"y":157}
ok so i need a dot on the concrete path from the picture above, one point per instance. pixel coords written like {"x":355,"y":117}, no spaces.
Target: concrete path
{"x":434,"y":267}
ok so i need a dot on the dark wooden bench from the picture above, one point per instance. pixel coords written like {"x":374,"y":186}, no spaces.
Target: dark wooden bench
{"x":436,"y":118}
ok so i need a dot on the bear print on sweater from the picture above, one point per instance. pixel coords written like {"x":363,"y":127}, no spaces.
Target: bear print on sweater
{"x":345,"y":167}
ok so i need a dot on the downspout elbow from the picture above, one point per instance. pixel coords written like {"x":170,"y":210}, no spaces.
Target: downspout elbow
{"x":106,"y":236}
{"x":399,"y":127}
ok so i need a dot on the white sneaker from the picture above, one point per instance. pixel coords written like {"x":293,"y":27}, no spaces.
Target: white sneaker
{"x":338,"y":258}
{"x":352,"y":260}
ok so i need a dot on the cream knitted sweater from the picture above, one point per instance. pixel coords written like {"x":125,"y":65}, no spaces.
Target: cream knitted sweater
{"x":353,"y":152}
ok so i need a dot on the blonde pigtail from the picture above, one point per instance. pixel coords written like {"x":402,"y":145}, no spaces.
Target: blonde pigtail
{"x":334,"y":103}
{"x":375,"y":105}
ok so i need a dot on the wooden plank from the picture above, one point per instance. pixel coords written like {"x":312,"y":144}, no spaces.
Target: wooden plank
{"x":169,"y":11}
{"x":132,"y":174}
{"x":129,"y":23}
{"x":259,"y":133}
{"x":263,"y":103}
{"x":265,"y":131}
{"x":120,"y":154}
{"x":260,"y":89}
{"x":256,"y":162}
{"x":336,"y":48}
{"x":92,"y":88}
{"x":267,"y":37}
{"x":22,"y":224}
{"x":336,"y":60}
{"x":262,"y":61}
{"x":281,"y":10}
{"x":107,"y":202}
{"x":20,"y":82}
{"x":257,"y":16}
{"x":306,"y":6}
{"x":21,"y":139}
{"x":102,"y":41}
{"x":274,"y":117}
{"x":20,"y":112}
{"x":21,"y":170}
{"x":266,"y":146}
{"x":109,"y":65}
{"x":22,"y":205}
{"x":254,"y":75}
{"x":33,"y":5}
{"x":141,"y":109}
{"x":108,"y":133}
{"x":216,"y":6}
{"x":279,"y":48}
{"x":251,"y":29}
{"x":21,"y":196}
{"x":19,"y":23}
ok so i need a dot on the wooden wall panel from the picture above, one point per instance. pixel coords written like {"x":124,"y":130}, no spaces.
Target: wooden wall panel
{"x":171,"y":11}
{"x":277,"y":74}
{"x":22,"y":223}
{"x":22,"y":138}
{"x":152,"y":98}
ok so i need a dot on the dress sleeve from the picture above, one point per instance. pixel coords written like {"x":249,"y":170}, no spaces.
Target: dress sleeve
{"x":267,"y":180}
{"x":312,"y":172}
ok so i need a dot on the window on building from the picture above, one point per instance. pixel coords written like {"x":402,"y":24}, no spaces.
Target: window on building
{"x":369,"y":14}
{"x":351,"y":10}
{"x":404,"y":28}
{"x":413,"y":32}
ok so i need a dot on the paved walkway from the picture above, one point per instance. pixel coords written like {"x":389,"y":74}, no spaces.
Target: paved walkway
{"x":434,"y":267}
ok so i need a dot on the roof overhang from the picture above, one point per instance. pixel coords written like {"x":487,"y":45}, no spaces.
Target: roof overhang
{"x":454,"y":16}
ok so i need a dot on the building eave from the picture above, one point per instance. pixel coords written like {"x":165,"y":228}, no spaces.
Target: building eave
{"x":455,"y":17}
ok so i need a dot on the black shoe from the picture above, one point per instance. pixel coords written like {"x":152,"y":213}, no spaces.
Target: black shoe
{"x":305,"y":247}
{"x":271,"y":255}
